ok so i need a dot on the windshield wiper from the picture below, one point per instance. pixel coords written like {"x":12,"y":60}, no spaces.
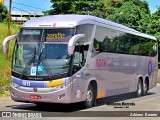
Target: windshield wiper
{"x":45,"y":64}
{"x":32,"y":58}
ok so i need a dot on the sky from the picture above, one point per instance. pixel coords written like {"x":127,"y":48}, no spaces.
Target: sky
{"x":29,"y":5}
{"x":44,"y":5}
{"x":153,"y":5}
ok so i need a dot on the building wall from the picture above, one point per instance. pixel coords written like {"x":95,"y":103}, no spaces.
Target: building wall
{"x":20,"y":17}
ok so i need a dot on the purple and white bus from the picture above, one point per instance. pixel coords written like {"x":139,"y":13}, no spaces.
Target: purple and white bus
{"x":79,"y":58}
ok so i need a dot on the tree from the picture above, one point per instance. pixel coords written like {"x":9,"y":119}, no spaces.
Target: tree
{"x":73,"y":7}
{"x":155,"y":24}
{"x":3,"y":12}
{"x":155,"y":28}
{"x":132,"y":13}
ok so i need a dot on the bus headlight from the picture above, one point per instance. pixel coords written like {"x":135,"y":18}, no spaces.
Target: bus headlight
{"x":63,"y":86}
{"x":14,"y":84}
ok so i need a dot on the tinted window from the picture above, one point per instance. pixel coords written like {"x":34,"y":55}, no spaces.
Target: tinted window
{"x":112,"y":41}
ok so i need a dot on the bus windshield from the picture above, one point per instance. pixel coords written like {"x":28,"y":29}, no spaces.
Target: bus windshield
{"x":42,"y":52}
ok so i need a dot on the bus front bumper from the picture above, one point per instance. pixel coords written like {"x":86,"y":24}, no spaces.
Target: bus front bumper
{"x":60,"y":96}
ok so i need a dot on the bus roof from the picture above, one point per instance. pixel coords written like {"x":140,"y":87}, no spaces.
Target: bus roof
{"x":70,"y":21}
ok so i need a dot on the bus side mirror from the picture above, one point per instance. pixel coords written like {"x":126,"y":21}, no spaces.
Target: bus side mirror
{"x":5,"y":41}
{"x":72,"y":43}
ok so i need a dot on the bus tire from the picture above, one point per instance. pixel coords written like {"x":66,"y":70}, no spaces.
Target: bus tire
{"x":145,"y":88}
{"x":139,"y":89}
{"x":90,"y":97}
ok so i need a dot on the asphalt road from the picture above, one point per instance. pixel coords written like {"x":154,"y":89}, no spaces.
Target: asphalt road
{"x":151,"y":102}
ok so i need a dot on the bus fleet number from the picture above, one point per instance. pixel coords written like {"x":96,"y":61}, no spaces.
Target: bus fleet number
{"x":26,"y":83}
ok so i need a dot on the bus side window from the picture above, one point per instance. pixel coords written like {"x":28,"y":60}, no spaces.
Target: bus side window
{"x":78,"y":57}
{"x":96,"y":48}
{"x":85,"y":51}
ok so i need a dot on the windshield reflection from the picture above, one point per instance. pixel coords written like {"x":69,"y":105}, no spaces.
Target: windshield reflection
{"x":39,"y":53}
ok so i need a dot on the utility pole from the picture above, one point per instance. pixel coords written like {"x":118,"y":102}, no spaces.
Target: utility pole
{"x":9,"y":22}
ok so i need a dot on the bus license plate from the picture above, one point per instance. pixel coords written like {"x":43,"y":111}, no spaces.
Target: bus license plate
{"x":35,"y":97}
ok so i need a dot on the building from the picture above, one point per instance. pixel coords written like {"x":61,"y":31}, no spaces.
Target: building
{"x":20,"y":17}
{"x":2,"y":1}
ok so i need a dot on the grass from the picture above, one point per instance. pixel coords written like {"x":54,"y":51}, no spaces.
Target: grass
{"x":5,"y":65}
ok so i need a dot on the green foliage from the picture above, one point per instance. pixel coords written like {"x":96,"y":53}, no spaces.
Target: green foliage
{"x":127,"y":14}
{"x":155,"y":28}
{"x":73,"y":7}
{"x":3,"y":12}
{"x":132,"y":13}
{"x":155,"y":24}
{"x":5,"y":65}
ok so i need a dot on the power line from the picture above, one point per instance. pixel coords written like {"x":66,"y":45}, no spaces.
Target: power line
{"x":19,"y":9}
{"x":27,"y":5}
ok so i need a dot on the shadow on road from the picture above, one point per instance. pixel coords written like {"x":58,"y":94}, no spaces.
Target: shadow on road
{"x":67,"y":108}
{"x":49,"y":107}
{"x":118,"y":98}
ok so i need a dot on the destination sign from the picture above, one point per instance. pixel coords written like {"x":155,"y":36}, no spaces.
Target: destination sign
{"x":31,"y":32}
{"x":58,"y":35}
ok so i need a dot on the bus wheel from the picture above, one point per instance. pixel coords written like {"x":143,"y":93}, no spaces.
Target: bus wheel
{"x":90,"y":97}
{"x":139,"y":89}
{"x":145,"y":88}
